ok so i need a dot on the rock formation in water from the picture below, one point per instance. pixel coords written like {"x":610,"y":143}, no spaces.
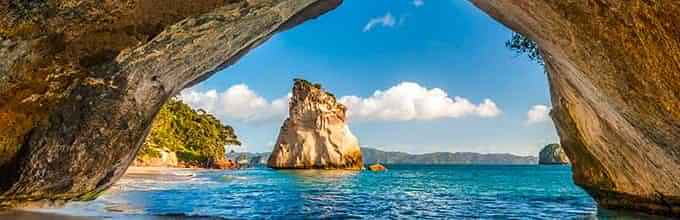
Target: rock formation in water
{"x":614,"y":73}
{"x":81,"y":81}
{"x":376,"y":167}
{"x":552,"y":154}
{"x":224,"y":164}
{"x":315,"y":135}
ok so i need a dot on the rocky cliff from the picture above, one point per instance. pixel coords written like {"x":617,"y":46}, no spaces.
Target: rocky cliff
{"x":315,"y":134}
{"x":81,"y":81}
{"x":552,"y":154}
{"x":614,"y":73}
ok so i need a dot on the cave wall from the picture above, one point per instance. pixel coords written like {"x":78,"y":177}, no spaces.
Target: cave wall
{"x":81,"y":81}
{"x":614,"y":74}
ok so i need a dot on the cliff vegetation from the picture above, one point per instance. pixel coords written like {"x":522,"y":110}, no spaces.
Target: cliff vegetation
{"x":196,"y":137}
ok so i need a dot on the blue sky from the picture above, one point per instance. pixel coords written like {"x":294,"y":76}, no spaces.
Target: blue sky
{"x":364,"y":46}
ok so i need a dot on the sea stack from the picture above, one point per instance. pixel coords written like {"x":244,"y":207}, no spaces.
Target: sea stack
{"x":552,"y":154}
{"x":315,"y":135}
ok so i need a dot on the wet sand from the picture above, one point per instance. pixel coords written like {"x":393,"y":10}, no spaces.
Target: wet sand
{"x":16,"y":214}
{"x":160,"y":173}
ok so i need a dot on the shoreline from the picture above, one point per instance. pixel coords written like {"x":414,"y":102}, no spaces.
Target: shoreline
{"x":158,"y":170}
{"x":132,"y":173}
{"x":159,"y":173}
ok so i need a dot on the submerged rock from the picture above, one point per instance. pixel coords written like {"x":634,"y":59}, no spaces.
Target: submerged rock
{"x":376,"y":167}
{"x":315,"y":134}
{"x":615,"y":87}
{"x":552,"y":154}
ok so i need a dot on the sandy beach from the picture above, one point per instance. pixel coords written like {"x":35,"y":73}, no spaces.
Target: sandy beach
{"x":32,"y":215}
{"x":160,"y":173}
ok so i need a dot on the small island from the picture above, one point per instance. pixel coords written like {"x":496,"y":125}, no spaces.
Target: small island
{"x":552,"y":154}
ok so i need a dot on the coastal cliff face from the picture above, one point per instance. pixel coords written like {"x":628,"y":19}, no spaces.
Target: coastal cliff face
{"x":552,"y":154}
{"x":81,"y":81}
{"x":315,"y":135}
{"x":614,"y":73}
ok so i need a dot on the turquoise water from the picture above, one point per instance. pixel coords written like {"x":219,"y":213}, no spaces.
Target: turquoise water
{"x":403,"y":192}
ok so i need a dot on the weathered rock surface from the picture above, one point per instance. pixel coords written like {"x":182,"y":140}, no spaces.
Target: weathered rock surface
{"x":552,"y":154}
{"x":225,"y":164}
{"x":81,"y":81}
{"x":376,"y":167}
{"x":315,"y":135}
{"x":614,"y":72}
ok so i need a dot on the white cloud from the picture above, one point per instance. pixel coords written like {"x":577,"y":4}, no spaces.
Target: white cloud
{"x":386,"y":21}
{"x":538,"y":114}
{"x":237,"y":102}
{"x":410,"y":101}
{"x":403,"y":102}
{"x":418,"y":3}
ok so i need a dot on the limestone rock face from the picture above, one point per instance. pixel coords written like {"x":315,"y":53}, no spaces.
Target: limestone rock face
{"x":552,"y":154}
{"x":614,"y":73}
{"x":315,"y":135}
{"x":81,"y":81}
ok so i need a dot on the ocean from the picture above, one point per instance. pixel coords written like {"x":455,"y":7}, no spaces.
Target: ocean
{"x":403,"y":192}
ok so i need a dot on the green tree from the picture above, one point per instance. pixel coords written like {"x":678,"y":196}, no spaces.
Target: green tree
{"x":523,"y":45}
{"x":196,"y":136}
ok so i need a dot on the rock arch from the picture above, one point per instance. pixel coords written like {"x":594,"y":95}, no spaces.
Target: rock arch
{"x":80,"y":82}
{"x":614,"y":74}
